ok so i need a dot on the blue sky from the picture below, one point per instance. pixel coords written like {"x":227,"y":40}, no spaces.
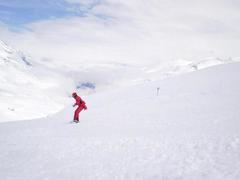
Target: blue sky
{"x":17,"y":13}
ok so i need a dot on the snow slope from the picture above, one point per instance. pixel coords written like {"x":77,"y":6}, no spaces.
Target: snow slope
{"x":24,"y":84}
{"x":190,"y":130}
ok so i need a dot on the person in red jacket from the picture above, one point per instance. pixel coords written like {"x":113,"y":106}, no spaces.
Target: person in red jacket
{"x":81,"y":105}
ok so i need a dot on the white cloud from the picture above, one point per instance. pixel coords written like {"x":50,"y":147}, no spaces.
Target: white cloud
{"x":135,"y":31}
{"x":84,"y":2}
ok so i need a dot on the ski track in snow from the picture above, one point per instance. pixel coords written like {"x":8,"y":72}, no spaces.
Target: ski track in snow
{"x":189,"y":131}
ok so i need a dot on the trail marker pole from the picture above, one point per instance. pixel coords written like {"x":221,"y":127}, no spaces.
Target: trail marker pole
{"x":158,"y":90}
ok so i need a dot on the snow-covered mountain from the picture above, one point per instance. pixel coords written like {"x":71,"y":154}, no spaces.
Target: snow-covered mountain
{"x":27,"y":89}
{"x":32,"y":89}
{"x":190,"y":129}
{"x":10,"y":55}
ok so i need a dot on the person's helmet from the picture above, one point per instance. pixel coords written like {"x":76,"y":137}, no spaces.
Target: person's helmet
{"x":74,"y":94}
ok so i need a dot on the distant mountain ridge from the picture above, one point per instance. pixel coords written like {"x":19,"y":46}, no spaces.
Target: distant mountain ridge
{"x":26,"y":87}
{"x":10,"y":55}
{"x":32,"y":89}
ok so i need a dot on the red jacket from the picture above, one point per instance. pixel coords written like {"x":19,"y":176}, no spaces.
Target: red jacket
{"x":79,"y":101}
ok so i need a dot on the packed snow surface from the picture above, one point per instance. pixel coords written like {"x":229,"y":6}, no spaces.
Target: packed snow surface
{"x":188,"y":130}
